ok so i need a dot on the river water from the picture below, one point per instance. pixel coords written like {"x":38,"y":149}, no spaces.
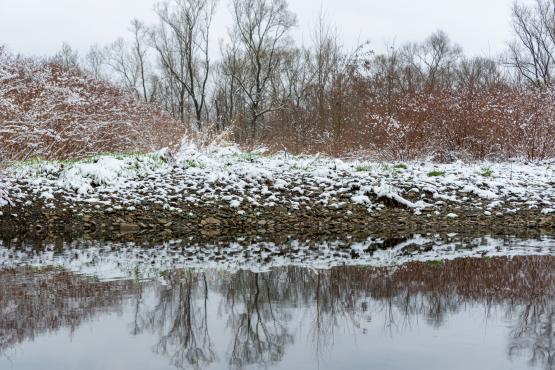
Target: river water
{"x":484,"y":311}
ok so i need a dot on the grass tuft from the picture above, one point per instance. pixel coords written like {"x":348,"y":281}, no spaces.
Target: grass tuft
{"x":486,"y":172}
{"x":436,"y":263}
{"x":436,"y":173}
{"x":363,"y":168}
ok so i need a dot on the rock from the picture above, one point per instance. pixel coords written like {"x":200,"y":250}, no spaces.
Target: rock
{"x":126,"y":227}
{"x":210,"y":221}
{"x":546,"y":221}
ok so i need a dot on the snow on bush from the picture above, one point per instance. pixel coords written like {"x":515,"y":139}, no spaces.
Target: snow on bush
{"x":53,"y":112}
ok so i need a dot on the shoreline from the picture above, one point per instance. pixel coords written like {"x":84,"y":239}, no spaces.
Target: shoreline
{"x":226,"y":194}
{"x":220,"y":223}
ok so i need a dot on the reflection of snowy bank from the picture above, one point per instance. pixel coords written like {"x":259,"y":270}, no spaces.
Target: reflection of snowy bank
{"x":108,"y":260}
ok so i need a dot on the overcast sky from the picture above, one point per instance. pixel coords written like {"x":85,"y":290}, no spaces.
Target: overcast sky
{"x":481,"y":27}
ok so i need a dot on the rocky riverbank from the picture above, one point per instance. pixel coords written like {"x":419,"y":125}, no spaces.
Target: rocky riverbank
{"x":226,"y":195}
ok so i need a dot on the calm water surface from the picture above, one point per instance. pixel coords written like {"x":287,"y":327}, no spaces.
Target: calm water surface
{"x":469,"y":313}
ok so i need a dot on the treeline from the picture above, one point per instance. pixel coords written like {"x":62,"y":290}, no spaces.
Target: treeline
{"x":417,"y":99}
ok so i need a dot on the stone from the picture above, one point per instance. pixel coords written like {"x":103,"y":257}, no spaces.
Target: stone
{"x":210,"y":221}
{"x":546,"y":221}
{"x":126,"y":227}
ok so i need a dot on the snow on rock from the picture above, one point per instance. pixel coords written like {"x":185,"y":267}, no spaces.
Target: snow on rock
{"x":81,"y":177}
{"x":242,"y":179}
{"x":486,"y":194}
{"x":4,"y":198}
{"x":388,"y":191}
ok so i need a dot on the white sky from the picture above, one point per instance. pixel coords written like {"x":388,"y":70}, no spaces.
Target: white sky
{"x":481,"y":27}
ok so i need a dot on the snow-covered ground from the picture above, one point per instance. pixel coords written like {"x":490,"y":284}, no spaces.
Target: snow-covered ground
{"x":125,"y":260}
{"x":227,"y":175}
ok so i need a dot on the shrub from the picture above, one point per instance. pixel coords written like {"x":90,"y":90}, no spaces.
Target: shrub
{"x":52,"y":112}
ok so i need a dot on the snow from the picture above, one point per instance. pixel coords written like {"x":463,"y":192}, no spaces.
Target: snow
{"x":107,"y":260}
{"x":4,"y":198}
{"x":388,"y":191}
{"x":48,"y":111}
{"x":241,"y":179}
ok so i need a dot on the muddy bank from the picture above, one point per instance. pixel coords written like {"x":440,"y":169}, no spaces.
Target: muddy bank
{"x":213,"y":222}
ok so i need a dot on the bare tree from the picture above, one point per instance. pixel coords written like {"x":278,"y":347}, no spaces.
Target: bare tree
{"x":478,"y":73}
{"x":67,"y":57}
{"x":121,"y":59}
{"x":95,"y":59}
{"x":324,"y":63}
{"x":439,"y":57}
{"x":532,"y":53}
{"x":228,"y":98}
{"x":139,"y":32}
{"x":261,"y":30}
{"x":182,"y":43}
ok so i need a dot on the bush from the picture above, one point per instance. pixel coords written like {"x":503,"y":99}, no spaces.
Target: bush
{"x":53,"y":112}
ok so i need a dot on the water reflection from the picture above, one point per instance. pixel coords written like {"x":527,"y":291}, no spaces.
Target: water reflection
{"x":261,"y":312}
{"x":180,"y":321}
{"x":35,"y":302}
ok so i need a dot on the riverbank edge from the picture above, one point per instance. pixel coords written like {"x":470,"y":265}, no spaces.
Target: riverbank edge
{"x":218,"y":222}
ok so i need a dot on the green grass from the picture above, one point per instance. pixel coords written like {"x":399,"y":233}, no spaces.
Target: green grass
{"x":298,"y":167}
{"x":436,"y":173}
{"x":486,"y":172}
{"x":436,"y":263}
{"x":194,"y":164}
{"x":393,"y":169}
{"x":37,"y":161}
{"x":363,"y":168}
{"x":246,"y":156}
{"x":41,"y":166}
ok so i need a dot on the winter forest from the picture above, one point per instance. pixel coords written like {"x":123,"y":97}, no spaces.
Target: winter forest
{"x":421,"y":99}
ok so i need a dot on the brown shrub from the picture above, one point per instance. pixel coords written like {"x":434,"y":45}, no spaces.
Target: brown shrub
{"x":53,"y":112}
{"x":500,"y":122}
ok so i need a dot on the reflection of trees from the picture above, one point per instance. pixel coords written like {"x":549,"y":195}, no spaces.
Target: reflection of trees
{"x":33,"y":302}
{"x":254,"y":305}
{"x":534,"y":332}
{"x":258,"y":306}
{"x":340,"y":298}
{"x":180,"y":319}
{"x":334,"y":305}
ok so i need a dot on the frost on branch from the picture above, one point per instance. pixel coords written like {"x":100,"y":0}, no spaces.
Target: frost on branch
{"x":54,"y":112}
